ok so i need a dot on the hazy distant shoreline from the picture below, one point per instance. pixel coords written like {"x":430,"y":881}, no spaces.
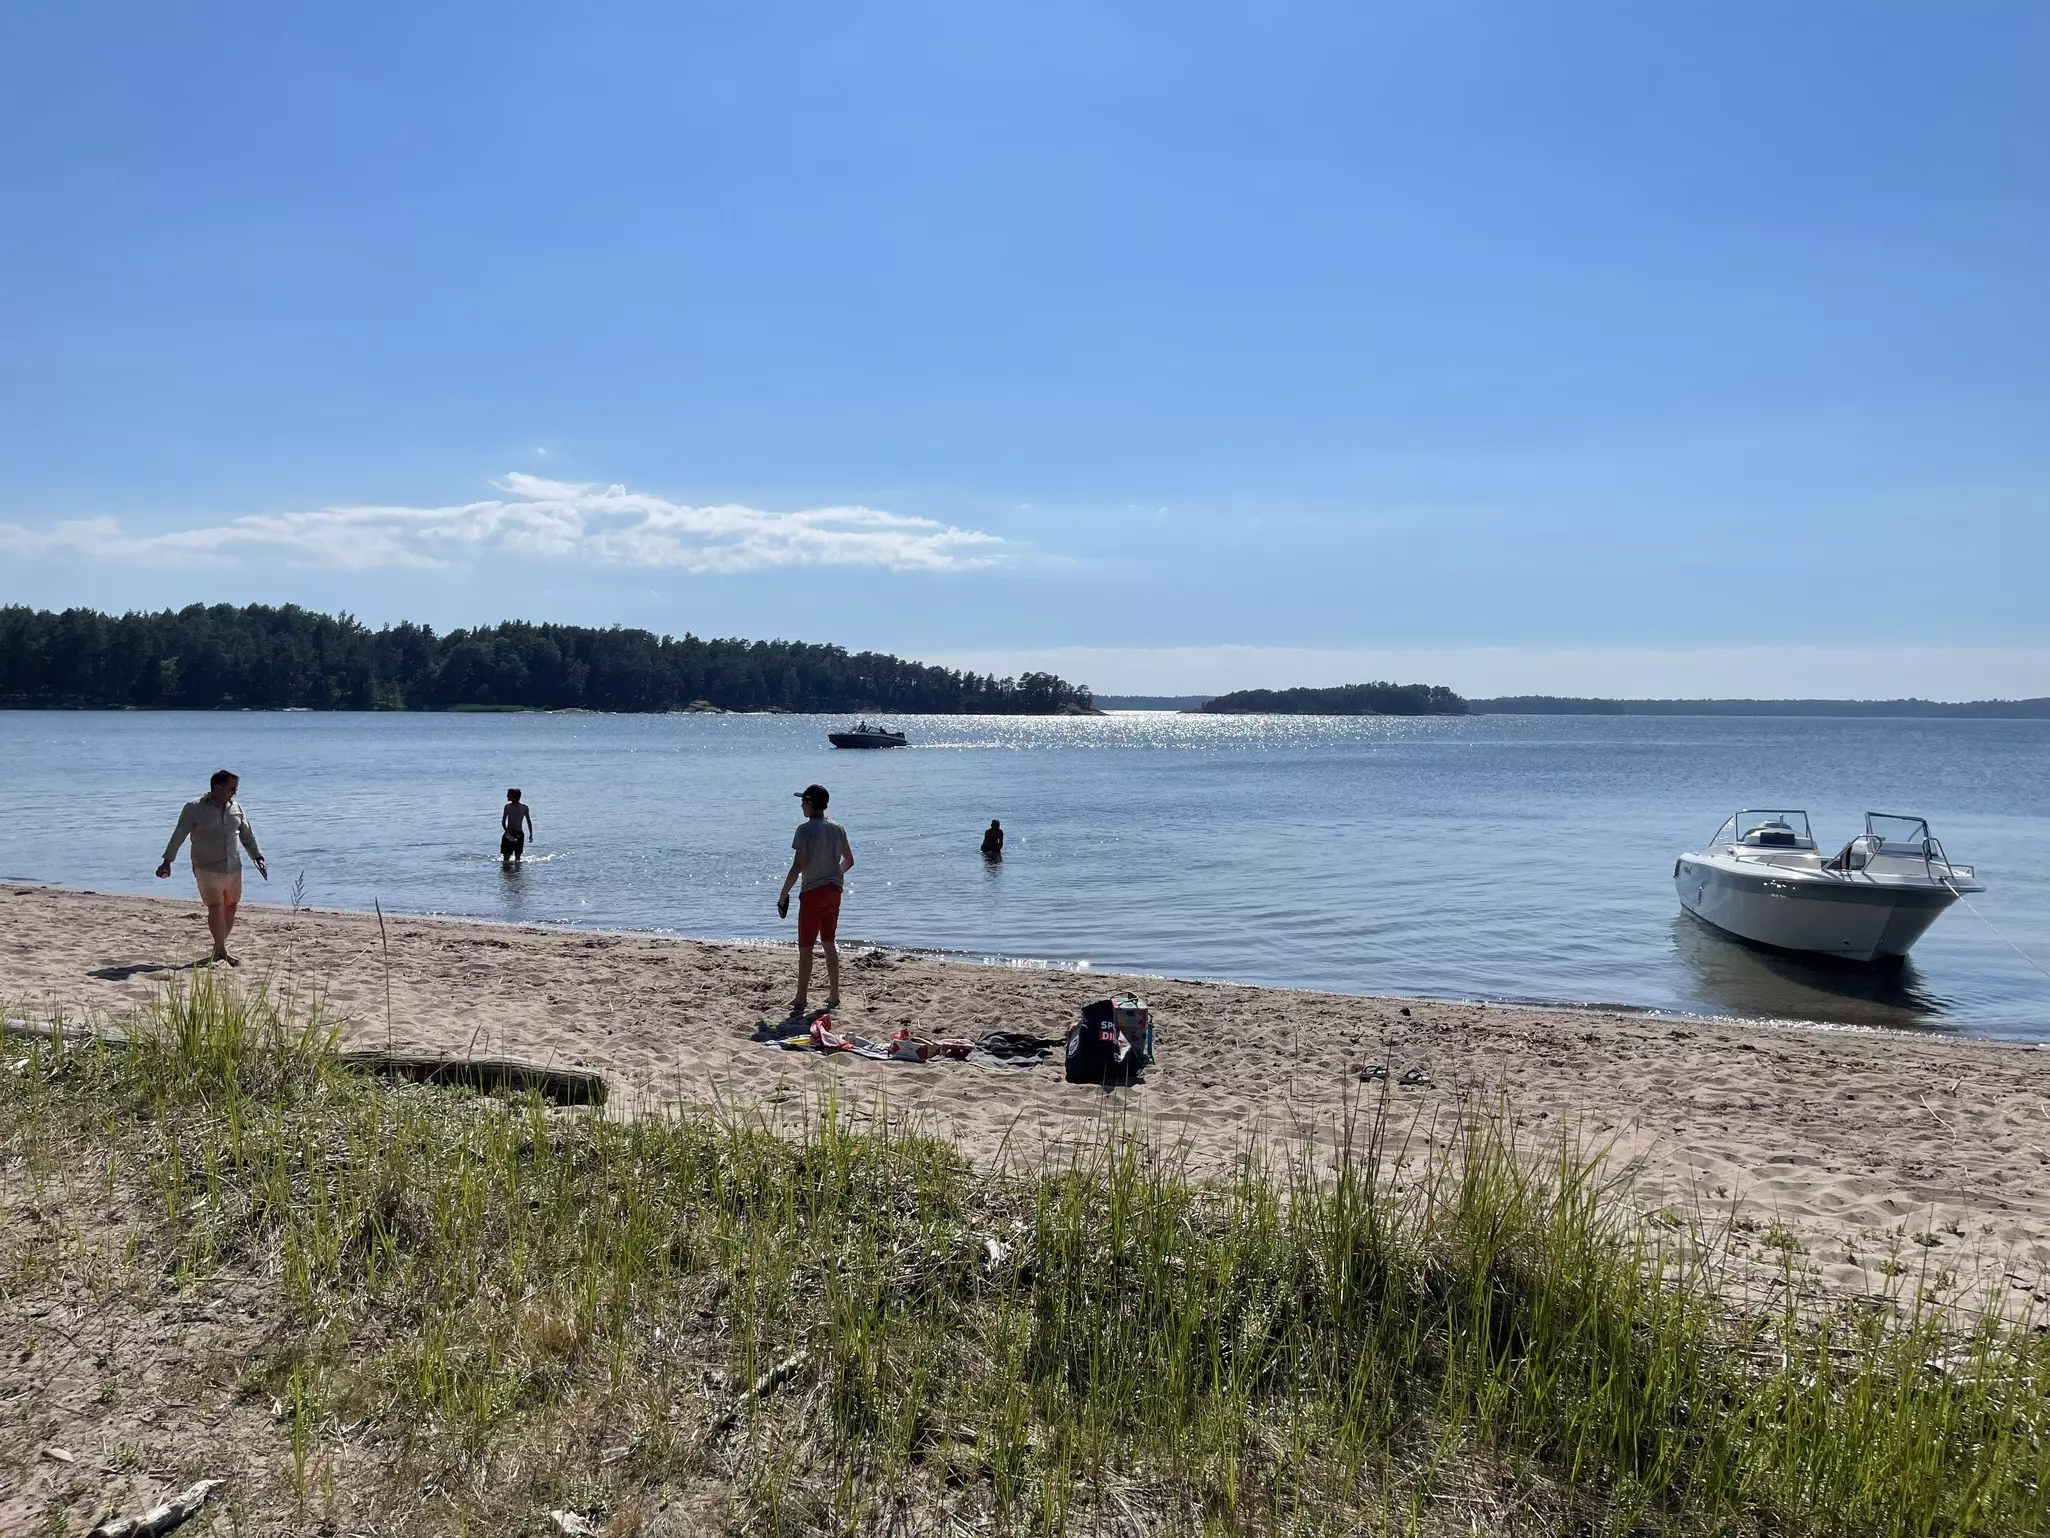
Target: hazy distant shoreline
{"x":1557,"y":705}
{"x":1553,"y":705}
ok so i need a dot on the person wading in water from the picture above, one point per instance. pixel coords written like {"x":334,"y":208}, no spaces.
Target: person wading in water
{"x":820,"y":858}
{"x":993,"y":840}
{"x":515,"y":827}
{"x":215,"y":825}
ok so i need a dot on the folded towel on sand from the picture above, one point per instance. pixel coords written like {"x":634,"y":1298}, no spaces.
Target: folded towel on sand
{"x":993,"y":1049}
{"x":1013,"y":1044}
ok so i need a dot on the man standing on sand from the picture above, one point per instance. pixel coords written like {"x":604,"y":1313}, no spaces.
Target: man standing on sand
{"x":515,"y":827}
{"x":216,"y":825}
{"x":821,"y":858}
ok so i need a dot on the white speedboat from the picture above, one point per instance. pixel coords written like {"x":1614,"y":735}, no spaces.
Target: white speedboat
{"x":1762,"y":879}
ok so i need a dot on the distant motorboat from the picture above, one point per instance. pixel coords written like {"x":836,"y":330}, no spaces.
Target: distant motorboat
{"x":866,"y":736}
{"x":1761,"y":878}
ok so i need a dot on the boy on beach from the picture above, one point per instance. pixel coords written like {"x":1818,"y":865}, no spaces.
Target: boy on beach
{"x":215,"y":824}
{"x":820,"y":859}
{"x":515,"y":827}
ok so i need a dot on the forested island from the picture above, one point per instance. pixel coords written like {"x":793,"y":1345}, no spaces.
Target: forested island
{"x":222,"y":657}
{"x":1378,"y":699}
{"x":1555,"y":705}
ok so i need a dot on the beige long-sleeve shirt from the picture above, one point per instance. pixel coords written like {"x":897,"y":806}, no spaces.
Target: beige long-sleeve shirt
{"x":215,"y":831}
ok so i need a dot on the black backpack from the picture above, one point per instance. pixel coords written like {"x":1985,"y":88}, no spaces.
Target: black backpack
{"x":1099,"y":1052}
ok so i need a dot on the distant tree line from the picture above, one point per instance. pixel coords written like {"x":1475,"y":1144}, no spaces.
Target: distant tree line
{"x":264,"y":658}
{"x":1347,"y":700}
{"x":1554,"y":705}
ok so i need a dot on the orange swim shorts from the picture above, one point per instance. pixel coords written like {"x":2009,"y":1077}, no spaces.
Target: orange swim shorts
{"x":818,"y":916}
{"x":217,"y":887}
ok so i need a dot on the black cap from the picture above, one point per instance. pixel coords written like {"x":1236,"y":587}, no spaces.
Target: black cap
{"x":817,"y":795}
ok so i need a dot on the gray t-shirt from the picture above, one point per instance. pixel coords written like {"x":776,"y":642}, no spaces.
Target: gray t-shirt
{"x":819,"y":844}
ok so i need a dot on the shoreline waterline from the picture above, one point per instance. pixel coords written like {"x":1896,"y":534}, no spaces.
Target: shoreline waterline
{"x":856,"y":945}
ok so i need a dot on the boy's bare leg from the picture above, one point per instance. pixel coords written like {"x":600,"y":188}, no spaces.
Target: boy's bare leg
{"x":803,"y":981}
{"x":832,"y":974}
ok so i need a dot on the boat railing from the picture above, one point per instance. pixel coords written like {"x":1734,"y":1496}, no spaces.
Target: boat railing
{"x":1857,"y":856}
{"x":1932,"y":850}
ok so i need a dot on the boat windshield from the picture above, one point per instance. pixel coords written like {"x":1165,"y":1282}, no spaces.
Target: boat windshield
{"x":1898,"y":835}
{"x":1763,"y":828}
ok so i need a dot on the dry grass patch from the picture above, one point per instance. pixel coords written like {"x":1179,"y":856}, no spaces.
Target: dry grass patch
{"x":416,"y":1310}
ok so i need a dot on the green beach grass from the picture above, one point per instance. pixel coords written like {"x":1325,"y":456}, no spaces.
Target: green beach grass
{"x":475,"y":1312}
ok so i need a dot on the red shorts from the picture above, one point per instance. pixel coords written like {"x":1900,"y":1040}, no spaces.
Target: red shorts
{"x":818,"y":916}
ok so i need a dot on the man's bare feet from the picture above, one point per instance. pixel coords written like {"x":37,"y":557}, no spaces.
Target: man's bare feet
{"x":797,"y":1008}
{"x":833,"y":1002}
{"x":233,"y":961}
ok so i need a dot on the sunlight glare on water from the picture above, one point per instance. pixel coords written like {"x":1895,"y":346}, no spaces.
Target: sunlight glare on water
{"x":1490,"y":856}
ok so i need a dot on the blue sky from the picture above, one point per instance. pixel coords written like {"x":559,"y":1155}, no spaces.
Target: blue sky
{"x":1580,"y":345}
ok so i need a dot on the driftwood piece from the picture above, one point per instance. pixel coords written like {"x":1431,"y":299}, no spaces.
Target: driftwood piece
{"x":764,"y":1386}
{"x":158,"y":1520}
{"x":563,"y":1086}
{"x":31,"y":1031}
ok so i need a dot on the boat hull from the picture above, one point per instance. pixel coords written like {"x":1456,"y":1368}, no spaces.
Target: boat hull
{"x":1853,"y":921}
{"x":864,"y":740}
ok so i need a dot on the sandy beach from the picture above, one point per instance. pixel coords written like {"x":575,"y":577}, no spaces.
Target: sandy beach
{"x":1858,"y":1152}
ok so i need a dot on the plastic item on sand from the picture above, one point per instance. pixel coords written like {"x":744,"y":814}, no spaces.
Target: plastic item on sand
{"x":1135,"y":1020}
{"x":907,"y":1049}
{"x":825,"y":1039}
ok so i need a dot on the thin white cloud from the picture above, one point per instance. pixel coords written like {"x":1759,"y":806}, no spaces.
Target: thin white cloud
{"x":540,"y":520}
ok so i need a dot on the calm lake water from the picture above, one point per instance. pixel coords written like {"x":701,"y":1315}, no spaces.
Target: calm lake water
{"x":1493,"y":856}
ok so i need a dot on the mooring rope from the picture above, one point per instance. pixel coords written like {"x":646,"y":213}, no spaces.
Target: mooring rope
{"x":2032,"y":961}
